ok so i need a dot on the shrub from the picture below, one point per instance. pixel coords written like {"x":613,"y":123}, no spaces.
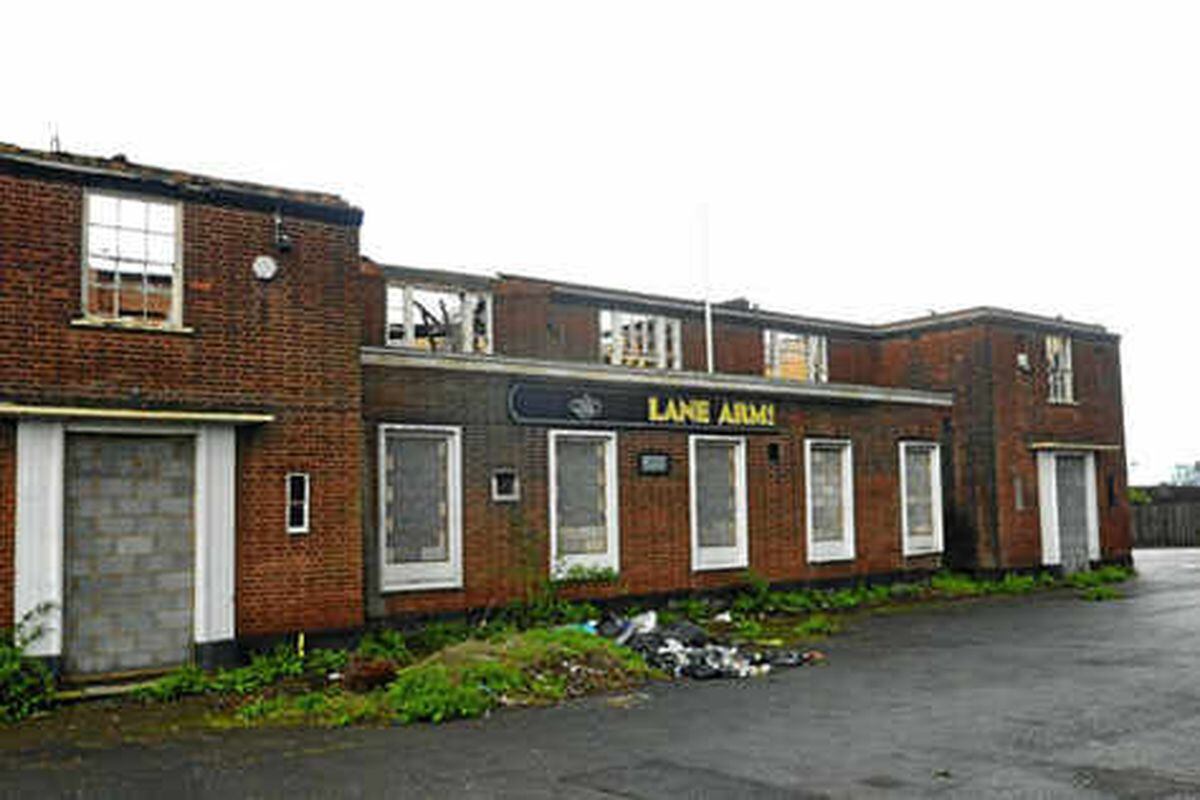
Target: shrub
{"x":818,"y":624}
{"x":26,"y":685}
{"x":384,"y":644}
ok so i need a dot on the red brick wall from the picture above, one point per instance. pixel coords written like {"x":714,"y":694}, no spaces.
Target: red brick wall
{"x":288,"y":347}
{"x":506,"y":546}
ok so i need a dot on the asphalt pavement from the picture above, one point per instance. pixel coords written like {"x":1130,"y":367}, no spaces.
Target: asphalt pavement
{"x":1046,"y":696}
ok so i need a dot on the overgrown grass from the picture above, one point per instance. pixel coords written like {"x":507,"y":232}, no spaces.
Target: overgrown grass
{"x":1100,"y":592}
{"x":818,"y":624}
{"x":467,"y":680}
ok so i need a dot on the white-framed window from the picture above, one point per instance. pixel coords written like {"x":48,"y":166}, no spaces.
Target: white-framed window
{"x":506,"y":485}
{"x":443,"y":319}
{"x":829,"y":499}
{"x":640,"y":340}
{"x":1058,"y":369}
{"x":297,"y":484}
{"x":420,"y":507}
{"x":584,"y":527}
{"x":717,"y":477}
{"x":132,"y":260}
{"x":921,"y":497}
{"x":795,"y":356}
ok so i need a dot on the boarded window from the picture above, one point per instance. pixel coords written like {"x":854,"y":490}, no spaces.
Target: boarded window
{"x":716,"y":493}
{"x":131,"y":265}
{"x":795,"y":356}
{"x":580,"y":473}
{"x":921,"y":487}
{"x":417,"y":501}
{"x":828,"y":512}
{"x":830,"y":500}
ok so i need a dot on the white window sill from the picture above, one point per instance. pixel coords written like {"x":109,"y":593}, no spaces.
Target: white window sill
{"x":917,"y":552}
{"x":720,"y":567}
{"x":124,"y":325}
{"x":1063,"y":402}
{"x":420,"y":587}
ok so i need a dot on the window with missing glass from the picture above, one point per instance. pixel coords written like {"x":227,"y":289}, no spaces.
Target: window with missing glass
{"x":795,"y":356}
{"x":442,"y":319}
{"x":921,"y":494}
{"x":420,"y":507}
{"x":829,"y":496}
{"x":1060,"y":374}
{"x":583,"y":501}
{"x":297,"y":484}
{"x":640,"y":340}
{"x":132,"y":270}
{"x":718,"y":502}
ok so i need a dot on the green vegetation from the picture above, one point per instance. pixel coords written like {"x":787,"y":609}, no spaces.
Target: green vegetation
{"x":467,"y":680}
{"x":1099,"y":593}
{"x":818,"y":625}
{"x":581,"y":574}
{"x":1139,"y":497}
{"x":26,"y":685}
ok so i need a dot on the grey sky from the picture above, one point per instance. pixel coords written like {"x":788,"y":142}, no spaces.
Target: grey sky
{"x":863,"y":160}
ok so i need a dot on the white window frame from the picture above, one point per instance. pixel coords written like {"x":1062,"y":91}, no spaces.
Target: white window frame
{"x":1060,"y":380}
{"x":433,"y":575}
{"x":512,"y":497}
{"x":175,"y":320}
{"x":926,"y":544}
{"x":289,"y":500}
{"x":611,"y":559}
{"x":662,"y":359}
{"x":818,"y":343}
{"x":844,"y":550}
{"x":469,"y":300}
{"x":1047,"y":461}
{"x":713,"y":558}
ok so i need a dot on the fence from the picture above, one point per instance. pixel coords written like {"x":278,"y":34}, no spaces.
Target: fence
{"x":1166,"y":525}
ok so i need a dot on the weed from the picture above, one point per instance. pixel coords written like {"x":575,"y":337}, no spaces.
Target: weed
{"x":1100,"y":593}
{"x":26,"y":685}
{"x":818,"y":624}
{"x":578,"y":573}
{"x":384,"y":644}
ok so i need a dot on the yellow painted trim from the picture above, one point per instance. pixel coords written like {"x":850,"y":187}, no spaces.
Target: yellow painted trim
{"x":141,"y":415}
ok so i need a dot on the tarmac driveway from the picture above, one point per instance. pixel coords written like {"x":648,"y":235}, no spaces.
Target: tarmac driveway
{"x":1048,"y":696}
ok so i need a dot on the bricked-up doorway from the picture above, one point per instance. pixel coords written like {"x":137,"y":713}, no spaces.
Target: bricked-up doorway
{"x":129,"y":552}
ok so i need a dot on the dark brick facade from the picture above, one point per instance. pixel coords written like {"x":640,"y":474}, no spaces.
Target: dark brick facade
{"x":292,"y":348}
{"x":288,"y":347}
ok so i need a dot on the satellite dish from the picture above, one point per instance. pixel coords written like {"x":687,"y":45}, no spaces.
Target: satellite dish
{"x":265,"y":268}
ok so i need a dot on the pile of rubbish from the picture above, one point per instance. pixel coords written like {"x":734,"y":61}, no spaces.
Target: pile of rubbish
{"x":684,"y":649}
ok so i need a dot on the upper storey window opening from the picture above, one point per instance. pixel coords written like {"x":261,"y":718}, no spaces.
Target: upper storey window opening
{"x":640,"y":340}
{"x":795,"y":356}
{"x":443,"y":319}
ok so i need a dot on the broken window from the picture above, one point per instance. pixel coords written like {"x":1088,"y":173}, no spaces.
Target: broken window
{"x":718,"y":489}
{"x":921,"y":497}
{"x":640,"y":340}
{"x":440,"y":319}
{"x":1058,"y":364}
{"x":795,"y":356}
{"x":132,"y":265}
{"x":421,"y":534}
{"x":583,"y":492}
{"x":830,"y":500}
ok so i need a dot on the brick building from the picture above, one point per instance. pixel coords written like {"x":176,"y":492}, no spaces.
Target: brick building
{"x":218,"y":422}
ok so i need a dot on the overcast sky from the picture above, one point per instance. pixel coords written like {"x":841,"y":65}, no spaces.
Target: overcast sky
{"x":860,"y":160}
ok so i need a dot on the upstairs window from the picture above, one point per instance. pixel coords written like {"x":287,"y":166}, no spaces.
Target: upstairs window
{"x":1058,"y":368}
{"x":132,"y":266}
{"x":795,"y":356}
{"x":640,"y":340}
{"x":442,"y":319}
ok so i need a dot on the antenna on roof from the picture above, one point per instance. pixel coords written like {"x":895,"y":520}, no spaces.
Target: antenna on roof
{"x":55,"y":144}
{"x":702,"y":257}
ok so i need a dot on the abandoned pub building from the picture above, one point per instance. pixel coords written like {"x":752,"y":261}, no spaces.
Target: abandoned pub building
{"x":219,"y":422}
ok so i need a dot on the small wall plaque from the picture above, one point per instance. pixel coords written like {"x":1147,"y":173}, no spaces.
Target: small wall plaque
{"x":654,"y":464}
